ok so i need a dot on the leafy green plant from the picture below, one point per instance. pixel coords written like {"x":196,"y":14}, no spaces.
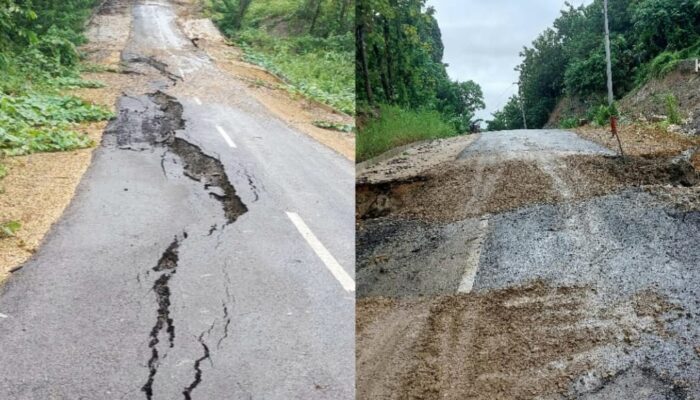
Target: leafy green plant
{"x":673,"y":112}
{"x":9,"y":229}
{"x":569,"y":123}
{"x":69,"y":82}
{"x":42,"y":123}
{"x":664,"y":125}
{"x":602,"y":113}
{"x":334,"y":126}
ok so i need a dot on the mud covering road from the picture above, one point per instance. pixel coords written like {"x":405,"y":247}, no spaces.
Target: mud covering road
{"x":530,"y":265}
{"x":177,"y":271}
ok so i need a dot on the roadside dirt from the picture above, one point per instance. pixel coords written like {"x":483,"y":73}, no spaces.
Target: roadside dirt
{"x":36,"y":190}
{"x":268,"y":89}
{"x":473,"y":187}
{"x":641,"y":139}
{"x":517,"y":343}
{"x":40,"y":186}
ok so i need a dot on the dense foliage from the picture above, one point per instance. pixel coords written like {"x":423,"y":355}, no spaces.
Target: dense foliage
{"x":401,"y":77}
{"x":308,"y":43}
{"x":399,"y":62}
{"x":38,"y":57}
{"x":648,"y":38}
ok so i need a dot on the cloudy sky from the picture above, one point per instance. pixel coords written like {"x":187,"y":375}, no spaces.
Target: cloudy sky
{"x":483,"y":38}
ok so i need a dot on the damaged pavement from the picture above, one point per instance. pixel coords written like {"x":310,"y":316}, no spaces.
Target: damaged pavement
{"x":528,"y":264}
{"x":176,"y":272}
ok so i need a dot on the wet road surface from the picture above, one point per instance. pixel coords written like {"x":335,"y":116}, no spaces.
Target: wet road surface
{"x":208,"y":253}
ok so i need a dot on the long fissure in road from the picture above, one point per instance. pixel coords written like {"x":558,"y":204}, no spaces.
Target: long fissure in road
{"x":146,"y":123}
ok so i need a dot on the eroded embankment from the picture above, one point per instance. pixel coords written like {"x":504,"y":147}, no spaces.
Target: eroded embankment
{"x":477,"y":186}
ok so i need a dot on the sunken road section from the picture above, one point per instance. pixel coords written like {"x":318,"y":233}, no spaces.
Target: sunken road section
{"x":149,"y":123}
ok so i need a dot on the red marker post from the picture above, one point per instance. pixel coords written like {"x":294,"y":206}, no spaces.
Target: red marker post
{"x":613,"y":130}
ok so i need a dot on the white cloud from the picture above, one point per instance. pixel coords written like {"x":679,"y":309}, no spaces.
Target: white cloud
{"x":483,"y":39}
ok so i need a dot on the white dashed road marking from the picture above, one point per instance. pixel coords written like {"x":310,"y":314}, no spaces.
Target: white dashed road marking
{"x":472,"y":263}
{"x":226,"y":137}
{"x":331,"y":263}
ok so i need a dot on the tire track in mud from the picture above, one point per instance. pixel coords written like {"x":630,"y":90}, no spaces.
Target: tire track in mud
{"x":520,"y":342}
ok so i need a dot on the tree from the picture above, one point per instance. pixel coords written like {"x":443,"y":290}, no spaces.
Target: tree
{"x":399,"y":61}
{"x":568,"y":59}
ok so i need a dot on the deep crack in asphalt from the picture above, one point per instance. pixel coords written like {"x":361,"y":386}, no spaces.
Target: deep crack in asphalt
{"x":198,"y":369}
{"x":168,"y":266}
{"x":146,"y":123}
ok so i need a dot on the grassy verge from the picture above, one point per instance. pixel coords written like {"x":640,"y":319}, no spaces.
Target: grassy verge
{"x":39,"y":60}
{"x":271,"y":35}
{"x":396,"y":127}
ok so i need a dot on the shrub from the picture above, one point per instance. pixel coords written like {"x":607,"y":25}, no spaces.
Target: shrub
{"x":673,"y":112}
{"x":601,"y":115}
{"x":569,"y":123}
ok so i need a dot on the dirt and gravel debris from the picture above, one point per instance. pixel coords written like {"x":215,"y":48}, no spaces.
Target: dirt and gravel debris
{"x":641,"y":139}
{"x":469,"y":188}
{"x":456,"y":191}
{"x":411,"y":160}
{"x":523,"y":342}
{"x":473,"y":187}
{"x":585,"y":285}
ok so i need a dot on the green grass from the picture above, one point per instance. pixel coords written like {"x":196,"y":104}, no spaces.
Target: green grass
{"x":9,"y":228}
{"x":321,"y":68}
{"x":665,"y":62}
{"x":673,"y":112}
{"x":396,"y":127}
{"x":310,"y":66}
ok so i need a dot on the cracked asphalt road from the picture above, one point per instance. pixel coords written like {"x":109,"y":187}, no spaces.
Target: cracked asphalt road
{"x":176,"y":271}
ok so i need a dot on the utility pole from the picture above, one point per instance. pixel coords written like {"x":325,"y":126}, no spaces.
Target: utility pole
{"x":522,"y":104}
{"x":611,"y":99}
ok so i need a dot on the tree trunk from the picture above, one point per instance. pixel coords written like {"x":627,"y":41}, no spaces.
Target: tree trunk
{"x":387,"y":56}
{"x":382,"y":74}
{"x":362,"y":56}
{"x":314,"y":18}
{"x":242,"y":9}
{"x":342,"y":23}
